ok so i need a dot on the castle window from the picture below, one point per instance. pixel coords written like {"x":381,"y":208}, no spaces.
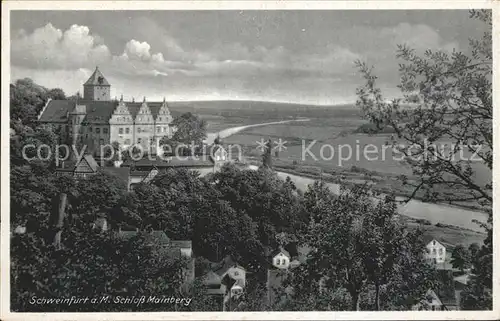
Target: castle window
{"x":127,"y":130}
{"x":139,"y":140}
{"x":127,"y":141}
{"x":433,"y":251}
{"x":138,"y":129}
{"x":98,"y":130}
{"x":158,"y":129}
{"x":440,"y":251}
{"x":101,"y":141}
{"x":105,"y":130}
{"x":120,"y":131}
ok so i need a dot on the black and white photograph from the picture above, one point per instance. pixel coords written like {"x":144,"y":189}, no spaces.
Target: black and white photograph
{"x":248,"y":160}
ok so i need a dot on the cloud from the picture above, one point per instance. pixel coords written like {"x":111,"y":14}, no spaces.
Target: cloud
{"x":50,"y":48}
{"x":153,"y":60}
{"x":137,"y":50}
{"x":418,"y":36}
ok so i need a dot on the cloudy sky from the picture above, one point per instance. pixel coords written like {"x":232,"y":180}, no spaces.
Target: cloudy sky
{"x":289,"y":56}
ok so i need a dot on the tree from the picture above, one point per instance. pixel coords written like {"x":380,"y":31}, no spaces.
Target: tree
{"x":460,"y":257}
{"x":446,"y":98}
{"x":190,"y":130}
{"x":91,"y":264}
{"x":27,"y":100}
{"x":361,"y":247}
{"x":56,"y":94}
{"x":95,"y":197}
{"x":454,"y":105}
{"x":474,"y":249}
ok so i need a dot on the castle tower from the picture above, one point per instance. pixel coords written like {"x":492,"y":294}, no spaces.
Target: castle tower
{"x":97,"y":87}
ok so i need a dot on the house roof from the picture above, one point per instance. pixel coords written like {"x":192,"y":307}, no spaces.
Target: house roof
{"x":57,"y":111}
{"x":70,"y":166}
{"x":212,"y":278}
{"x":429,"y":238}
{"x":181,"y":244}
{"x":224,"y":265}
{"x":97,"y":78}
{"x":159,"y":237}
{"x":434,"y":296}
{"x":90,"y":161}
{"x":97,"y":111}
{"x":121,"y":172}
{"x":188,"y":161}
{"x":464,"y":279}
{"x":280,"y":250}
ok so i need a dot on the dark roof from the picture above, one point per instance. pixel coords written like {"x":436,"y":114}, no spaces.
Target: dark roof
{"x":199,"y":161}
{"x":97,"y":111}
{"x":181,"y":244}
{"x":280,"y":250}
{"x":70,"y":165}
{"x":228,"y":281}
{"x":91,"y":161}
{"x":134,"y":107}
{"x":224,"y":265}
{"x":121,"y":172}
{"x":159,"y":237}
{"x":57,"y":111}
{"x":97,"y":78}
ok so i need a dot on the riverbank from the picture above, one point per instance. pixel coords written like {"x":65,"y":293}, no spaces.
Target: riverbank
{"x":234,"y":130}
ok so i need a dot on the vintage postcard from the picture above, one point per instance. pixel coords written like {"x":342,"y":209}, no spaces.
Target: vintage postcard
{"x":249,"y":160}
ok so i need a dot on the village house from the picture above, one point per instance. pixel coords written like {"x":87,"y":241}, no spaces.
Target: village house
{"x":143,"y":170}
{"x":227,"y":280}
{"x":436,"y":252}
{"x":282,"y":261}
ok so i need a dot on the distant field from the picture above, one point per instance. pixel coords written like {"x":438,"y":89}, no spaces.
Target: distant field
{"x":450,"y":235}
{"x":328,"y":125}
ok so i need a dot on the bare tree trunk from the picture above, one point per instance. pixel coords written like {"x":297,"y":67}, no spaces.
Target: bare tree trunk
{"x":355,"y":301}
{"x":377,"y":296}
{"x":61,"y":211}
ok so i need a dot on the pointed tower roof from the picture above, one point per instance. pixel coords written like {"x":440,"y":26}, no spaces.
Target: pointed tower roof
{"x":97,"y":79}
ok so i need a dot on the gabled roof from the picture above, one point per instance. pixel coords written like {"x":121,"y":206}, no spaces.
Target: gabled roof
{"x":212,"y":278}
{"x":223,"y":266}
{"x":97,"y":79}
{"x":90,"y":161}
{"x":181,"y":244}
{"x":464,"y":279}
{"x":280,"y":250}
{"x":428,"y":239}
{"x":121,"y":172}
{"x":97,"y":111}
{"x":188,"y":161}
{"x":433,"y":295}
{"x":57,"y":111}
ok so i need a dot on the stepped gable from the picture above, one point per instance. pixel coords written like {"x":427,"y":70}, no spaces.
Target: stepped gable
{"x":134,"y":107}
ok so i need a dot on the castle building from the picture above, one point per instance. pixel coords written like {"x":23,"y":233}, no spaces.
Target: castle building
{"x":95,"y":119}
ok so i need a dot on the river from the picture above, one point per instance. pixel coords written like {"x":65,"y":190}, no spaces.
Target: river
{"x":435,"y":213}
{"x":234,"y":130}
